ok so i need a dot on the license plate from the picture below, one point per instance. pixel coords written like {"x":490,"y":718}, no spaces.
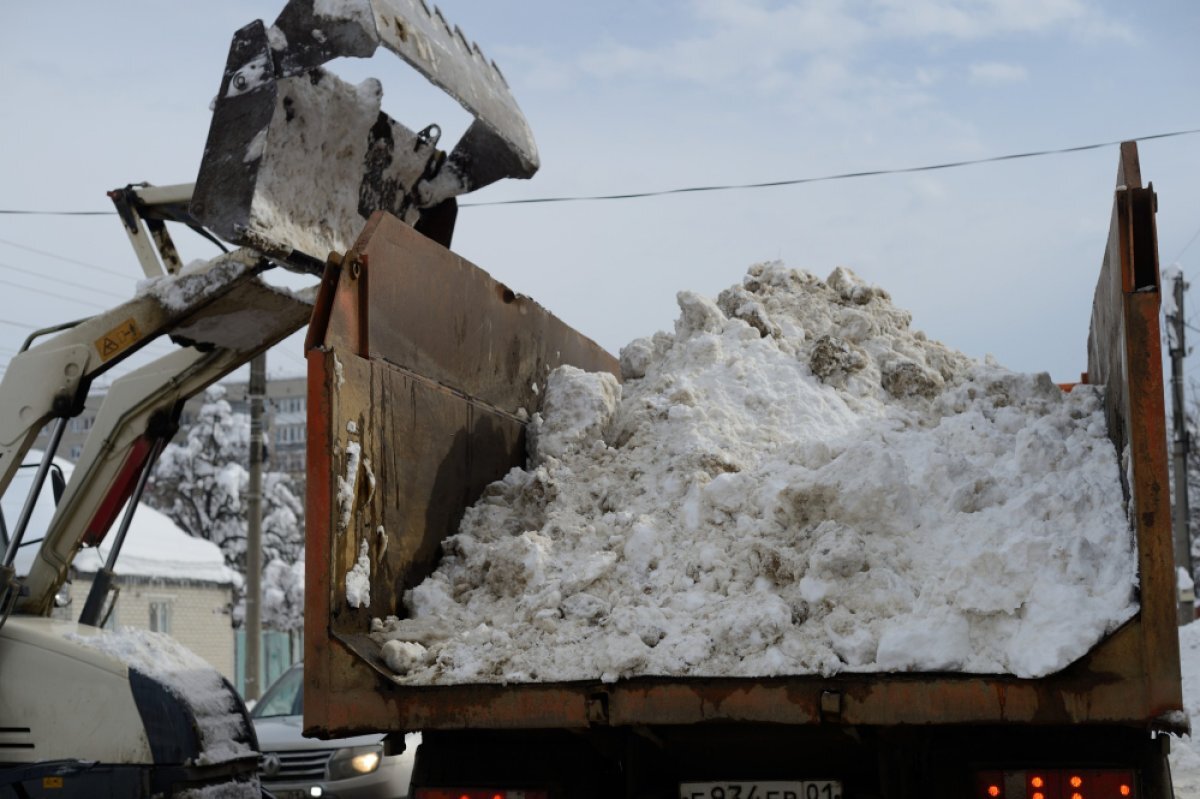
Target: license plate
{"x":758,"y":789}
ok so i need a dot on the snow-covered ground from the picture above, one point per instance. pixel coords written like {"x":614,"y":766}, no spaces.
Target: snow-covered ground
{"x":1185,"y":752}
{"x":794,"y":481}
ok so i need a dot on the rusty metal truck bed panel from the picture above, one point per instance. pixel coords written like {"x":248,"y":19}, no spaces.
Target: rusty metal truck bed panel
{"x":423,"y":366}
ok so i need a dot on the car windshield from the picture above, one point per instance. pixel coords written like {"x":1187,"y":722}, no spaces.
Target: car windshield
{"x":284,"y":698}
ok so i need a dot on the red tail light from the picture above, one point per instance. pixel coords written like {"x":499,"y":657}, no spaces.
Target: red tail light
{"x":1055,"y":784}
{"x":990,"y":785}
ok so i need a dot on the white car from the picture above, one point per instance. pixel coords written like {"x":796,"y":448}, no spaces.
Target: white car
{"x":295,"y":767}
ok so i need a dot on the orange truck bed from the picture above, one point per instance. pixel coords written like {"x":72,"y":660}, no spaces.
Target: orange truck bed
{"x":432,"y":361}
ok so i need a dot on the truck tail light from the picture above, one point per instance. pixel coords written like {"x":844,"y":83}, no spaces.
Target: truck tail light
{"x":1055,"y":784}
{"x":479,"y":793}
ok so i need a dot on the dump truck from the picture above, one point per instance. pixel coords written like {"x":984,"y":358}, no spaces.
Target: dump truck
{"x":437,"y":365}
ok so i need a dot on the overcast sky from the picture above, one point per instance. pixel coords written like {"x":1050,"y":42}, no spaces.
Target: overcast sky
{"x":624,"y":96}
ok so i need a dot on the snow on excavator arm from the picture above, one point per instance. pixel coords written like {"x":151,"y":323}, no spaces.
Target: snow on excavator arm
{"x":51,"y":379}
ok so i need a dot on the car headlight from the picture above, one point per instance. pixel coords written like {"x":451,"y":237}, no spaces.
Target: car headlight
{"x":354,"y":761}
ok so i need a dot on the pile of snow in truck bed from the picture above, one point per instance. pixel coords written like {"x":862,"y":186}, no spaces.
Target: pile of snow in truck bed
{"x":794,"y":482}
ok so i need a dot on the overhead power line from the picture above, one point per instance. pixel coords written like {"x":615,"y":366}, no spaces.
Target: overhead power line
{"x":67,"y":259}
{"x":24,"y":212}
{"x":91,"y":289}
{"x":1185,"y":247}
{"x":839,"y":176}
{"x":51,"y":294}
{"x":769,"y":184}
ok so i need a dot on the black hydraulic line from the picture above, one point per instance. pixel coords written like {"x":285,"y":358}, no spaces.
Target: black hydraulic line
{"x":53,"y":329}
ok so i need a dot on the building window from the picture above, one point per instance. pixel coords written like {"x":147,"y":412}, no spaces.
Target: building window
{"x":81,"y":424}
{"x":75,"y":452}
{"x":160,"y":616}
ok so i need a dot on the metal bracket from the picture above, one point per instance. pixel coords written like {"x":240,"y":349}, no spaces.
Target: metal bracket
{"x":831,"y":706}
{"x":597,"y":708}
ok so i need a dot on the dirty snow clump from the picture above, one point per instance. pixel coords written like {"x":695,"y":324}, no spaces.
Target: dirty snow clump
{"x":794,"y":481}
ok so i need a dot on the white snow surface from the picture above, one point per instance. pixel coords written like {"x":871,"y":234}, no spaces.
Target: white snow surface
{"x":358,"y":11}
{"x":194,"y":282}
{"x":1185,"y":752}
{"x":325,"y":123}
{"x":154,"y":547}
{"x":186,"y":675}
{"x":794,"y":482}
{"x":358,"y":579}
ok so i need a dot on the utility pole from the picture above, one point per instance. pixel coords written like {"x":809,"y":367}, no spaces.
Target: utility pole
{"x":257,"y":390}
{"x":1179,"y":451}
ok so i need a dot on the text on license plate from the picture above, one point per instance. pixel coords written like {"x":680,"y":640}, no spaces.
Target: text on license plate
{"x":757,"y":789}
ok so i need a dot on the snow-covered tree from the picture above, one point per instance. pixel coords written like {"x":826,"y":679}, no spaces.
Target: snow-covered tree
{"x":283,"y":595}
{"x":1193,"y":473}
{"x":202,"y":484}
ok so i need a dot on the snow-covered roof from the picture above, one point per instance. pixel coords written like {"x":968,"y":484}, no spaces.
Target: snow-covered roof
{"x":155,"y":547}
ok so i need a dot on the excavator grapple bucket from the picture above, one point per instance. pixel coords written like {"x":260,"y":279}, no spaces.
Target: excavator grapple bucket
{"x":297,"y":159}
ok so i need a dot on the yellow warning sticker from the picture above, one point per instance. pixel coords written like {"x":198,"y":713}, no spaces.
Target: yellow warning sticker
{"x":52,"y":782}
{"x":117,"y":340}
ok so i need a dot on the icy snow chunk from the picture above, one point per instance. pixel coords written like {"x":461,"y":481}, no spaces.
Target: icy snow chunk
{"x":941,"y":642}
{"x":254,"y":149}
{"x":196,"y":282}
{"x":348,"y":485}
{"x":577,"y":410}
{"x":325,"y":123}
{"x":402,"y":656}
{"x":358,"y":578}
{"x":358,"y":11}
{"x":637,"y":355}
{"x":699,"y":315}
{"x":851,"y":288}
{"x":276,"y":38}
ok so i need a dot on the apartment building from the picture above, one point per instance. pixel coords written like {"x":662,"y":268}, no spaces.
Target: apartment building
{"x":284,"y":423}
